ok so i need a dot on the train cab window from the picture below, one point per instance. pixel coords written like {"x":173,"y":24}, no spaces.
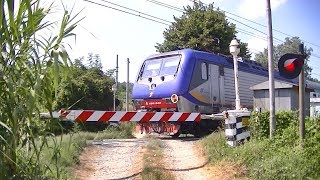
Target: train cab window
{"x":170,"y":65}
{"x":204,"y":71}
{"x":160,"y":66}
{"x":151,"y":68}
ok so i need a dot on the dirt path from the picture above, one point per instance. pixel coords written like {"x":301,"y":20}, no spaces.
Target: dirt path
{"x":184,"y":159}
{"x":123,"y":159}
{"x":111,"y":159}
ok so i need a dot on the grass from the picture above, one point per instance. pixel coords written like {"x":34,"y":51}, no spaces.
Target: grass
{"x":70,"y":146}
{"x":153,"y":162}
{"x":263,"y":158}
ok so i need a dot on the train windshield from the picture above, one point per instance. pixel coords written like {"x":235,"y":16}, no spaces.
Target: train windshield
{"x":162,"y":66}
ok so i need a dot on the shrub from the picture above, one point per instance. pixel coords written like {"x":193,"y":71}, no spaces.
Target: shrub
{"x":32,"y":62}
{"x":279,"y":158}
{"x":259,"y":122}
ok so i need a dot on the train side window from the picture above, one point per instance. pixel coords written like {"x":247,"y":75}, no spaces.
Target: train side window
{"x":221,"y":70}
{"x":204,"y":71}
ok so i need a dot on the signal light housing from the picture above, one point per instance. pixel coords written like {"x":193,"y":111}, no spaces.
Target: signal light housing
{"x":174,"y":98}
{"x":290,"y":65}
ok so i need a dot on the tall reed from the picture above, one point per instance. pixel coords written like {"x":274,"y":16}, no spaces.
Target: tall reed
{"x":31,"y":65}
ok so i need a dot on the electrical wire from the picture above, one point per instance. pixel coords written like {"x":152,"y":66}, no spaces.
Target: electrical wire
{"x":166,"y":22}
{"x":123,"y":11}
{"x":136,"y":11}
{"x":308,"y":42}
{"x":166,"y":5}
{"x":277,"y":40}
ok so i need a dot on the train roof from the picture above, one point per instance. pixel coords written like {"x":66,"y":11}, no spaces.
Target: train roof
{"x":216,"y":58}
{"x":246,"y":65}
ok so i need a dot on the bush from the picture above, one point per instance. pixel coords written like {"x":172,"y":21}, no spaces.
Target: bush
{"x":259,"y":122}
{"x":280,"y":158}
{"x":58,"y":153}
{"x":91,"y":126}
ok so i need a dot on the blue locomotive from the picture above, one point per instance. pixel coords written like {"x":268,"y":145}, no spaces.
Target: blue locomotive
{"x":194,"y":81}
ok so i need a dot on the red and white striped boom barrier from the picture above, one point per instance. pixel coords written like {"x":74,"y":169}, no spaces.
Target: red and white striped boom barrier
{"x":123,"y":116}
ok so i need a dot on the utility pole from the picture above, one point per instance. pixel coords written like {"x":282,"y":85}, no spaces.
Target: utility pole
{"x":117,"y":70}
{"x":115,"y":85}
{"x":127,"y":86}
{"x":270,"y":66}
{"x":302,"y":98}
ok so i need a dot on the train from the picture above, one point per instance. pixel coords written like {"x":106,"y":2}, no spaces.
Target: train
{"x":190,"y":80}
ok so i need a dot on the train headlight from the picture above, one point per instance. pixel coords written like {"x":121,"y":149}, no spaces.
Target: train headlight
{"x":174,"y":98}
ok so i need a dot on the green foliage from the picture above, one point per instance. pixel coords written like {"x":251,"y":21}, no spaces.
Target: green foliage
{"x":121,"y":94}
{"x":58,"y":127}
{"x":279,"y":158}
{"x":31,"y":66}
{"x":259,"y":122}
{"x":90,"y":126}
{"x":87,"y":87}
{"x":94,"y":61}
{"x":201,"y":28}
{"x":70,"y":146}
{"x":123,"y":130}
{"x":291,"y":45}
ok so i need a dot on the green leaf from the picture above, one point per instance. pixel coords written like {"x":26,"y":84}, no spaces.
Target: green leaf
{"x":6,"y":127}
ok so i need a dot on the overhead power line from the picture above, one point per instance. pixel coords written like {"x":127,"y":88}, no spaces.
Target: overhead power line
{"x":181,"y":10}
{"x":242,"y":23}
{"x":166,"y":5}
{"x":283,"y":33}
{"x":136,"y":11}
{"x":166,"y":22}
{"x":123,"y":11}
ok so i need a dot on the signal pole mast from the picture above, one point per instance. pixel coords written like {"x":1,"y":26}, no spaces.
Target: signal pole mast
{"x":302,"y":114}
{"x":270,"y":66}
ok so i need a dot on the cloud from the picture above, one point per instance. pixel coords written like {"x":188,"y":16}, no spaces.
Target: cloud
{"x":253,"y":9}
{"x":257,"y":45}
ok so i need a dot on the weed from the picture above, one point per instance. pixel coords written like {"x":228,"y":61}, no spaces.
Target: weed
{"x":70,"y":146}
{"x":279,"y":158}
{"x":153,"y":168}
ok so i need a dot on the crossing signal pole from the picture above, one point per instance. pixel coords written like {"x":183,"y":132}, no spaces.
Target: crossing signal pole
{"x":291,"y":66}
{"x":301,"y":98}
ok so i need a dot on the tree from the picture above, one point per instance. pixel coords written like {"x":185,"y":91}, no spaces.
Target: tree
{"x":121,"y":94}
{"x":87,"y":87}
{"x":291,"y":45}
{"x":201,"y":28}
{"x":94,"y":61}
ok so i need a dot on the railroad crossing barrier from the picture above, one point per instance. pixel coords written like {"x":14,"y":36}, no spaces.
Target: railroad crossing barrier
{"x":237,"y":126}
{"x":122,"y":116}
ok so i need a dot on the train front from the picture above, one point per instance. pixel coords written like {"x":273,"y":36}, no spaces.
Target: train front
{"x":161,"y":80}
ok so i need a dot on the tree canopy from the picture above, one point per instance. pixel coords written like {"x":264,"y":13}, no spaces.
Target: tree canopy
{"x":201,"y":28}
{"x":290,"y":45}
{"x":87,"y":87}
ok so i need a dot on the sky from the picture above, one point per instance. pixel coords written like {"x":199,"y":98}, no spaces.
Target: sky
{"x":109,"y":32}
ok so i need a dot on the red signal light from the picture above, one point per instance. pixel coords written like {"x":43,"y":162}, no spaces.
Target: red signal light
{"x":290,"y":65}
